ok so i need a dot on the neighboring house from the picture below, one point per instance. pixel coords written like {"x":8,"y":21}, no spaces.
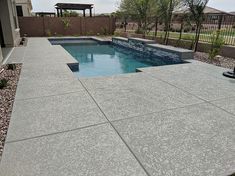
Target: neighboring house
{"x":9,"y":27}
{"x":233,"y":13}
{"x":210,"y":12}
{"x":24,"y":8}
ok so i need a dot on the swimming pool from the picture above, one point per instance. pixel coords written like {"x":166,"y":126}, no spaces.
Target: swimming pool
{"x":96,"y":59}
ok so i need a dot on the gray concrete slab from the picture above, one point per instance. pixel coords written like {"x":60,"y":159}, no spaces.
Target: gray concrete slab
{"x":227,"y":104}
{"x":58,"y":125}
{"x":96,"y":151}
{"x":43,"y":116}
{"x":195,"y":81}
{"x":46,"y":87}
{"x":135,"y":94}
{"x":196,"y":140}
{"x":45,"y":72}
{"x":30,"y":72}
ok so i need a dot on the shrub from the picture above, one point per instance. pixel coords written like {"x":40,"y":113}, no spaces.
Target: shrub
{"x":116,"y":33}
{"x":66,"y":23}
{"x":139,"y":31}
{"x":48,"y":33}
{"x":89,"y":33}
{"x":104,"y":31}
{"x":11,"y":66}
{"x":216,"y":43}
{"x":3,"y":83}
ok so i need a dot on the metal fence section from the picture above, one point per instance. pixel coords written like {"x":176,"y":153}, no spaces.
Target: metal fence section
{"x":224,"y":23}
{"x":212,"y":23}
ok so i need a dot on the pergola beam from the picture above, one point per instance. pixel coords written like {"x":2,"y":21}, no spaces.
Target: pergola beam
{"x":69,"y":6}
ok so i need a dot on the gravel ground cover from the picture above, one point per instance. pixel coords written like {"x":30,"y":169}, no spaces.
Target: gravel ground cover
{"x":7,"y":95}
{"x":218,"y":61}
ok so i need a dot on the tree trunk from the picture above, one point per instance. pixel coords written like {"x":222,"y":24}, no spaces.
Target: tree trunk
{"x":197,"y":37}
{"x":166,"y":31}
{"x":169,"y":21}
{"x":156,"y":28}
{"x":181,"y":30}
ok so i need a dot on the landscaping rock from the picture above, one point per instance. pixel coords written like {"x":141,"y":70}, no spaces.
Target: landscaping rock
{"x":7,"y":95}
{"x":218,"y":60}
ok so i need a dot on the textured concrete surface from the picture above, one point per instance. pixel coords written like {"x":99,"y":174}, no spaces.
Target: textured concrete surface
{"x":197,"y":140}
{"x":171,"y":120}
{"x":92,"y":151}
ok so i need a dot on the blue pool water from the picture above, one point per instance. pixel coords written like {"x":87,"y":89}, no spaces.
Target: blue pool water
{"x":106,"y":59}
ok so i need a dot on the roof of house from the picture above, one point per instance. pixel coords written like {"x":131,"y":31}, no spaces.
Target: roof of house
{"x":233,"y":13}
{"x":207,"y":10}
{"x":73,"y":6}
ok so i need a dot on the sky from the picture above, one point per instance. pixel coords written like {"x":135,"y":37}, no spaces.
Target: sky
{"x":108,"y":6}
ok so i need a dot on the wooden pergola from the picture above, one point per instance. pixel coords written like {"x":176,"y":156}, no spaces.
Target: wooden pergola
{"x":71,"y":6}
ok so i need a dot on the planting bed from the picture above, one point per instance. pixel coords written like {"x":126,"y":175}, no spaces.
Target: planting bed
{"x":7,"y":95}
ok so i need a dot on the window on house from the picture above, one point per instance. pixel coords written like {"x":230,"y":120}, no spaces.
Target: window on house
{"x":19,"y":10}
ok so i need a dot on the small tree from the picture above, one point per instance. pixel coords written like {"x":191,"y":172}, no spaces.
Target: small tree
{"x":141,"y":10}
{"x":165,"y":12}
{"x":196,"y":8}
{"x":121,"y":15}
{"x":216,"y":43}
{"x":66,"y":23}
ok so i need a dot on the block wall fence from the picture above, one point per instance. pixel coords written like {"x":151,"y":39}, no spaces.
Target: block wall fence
{"x":69,"y":26}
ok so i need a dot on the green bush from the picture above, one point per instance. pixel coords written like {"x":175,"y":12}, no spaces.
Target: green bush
{"x":216,"y":43}
{"x":3,"y":83}
{"x":66,"y":23}
{"x":104,"y":31}
{"x":48,"y":33}
{"x":11,"y":66}
{"x":139,"y":31}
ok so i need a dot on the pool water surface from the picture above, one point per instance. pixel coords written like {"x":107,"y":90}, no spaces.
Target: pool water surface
{"x":106,"y":59}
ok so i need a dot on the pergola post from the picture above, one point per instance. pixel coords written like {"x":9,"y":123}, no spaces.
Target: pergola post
{"x":57,"y":12}
{"x":61,"y":13}
{"x":90,"y":12}
{"x":84,"y":13}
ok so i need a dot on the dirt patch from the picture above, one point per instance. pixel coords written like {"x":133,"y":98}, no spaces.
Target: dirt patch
{"x":7,"y":96}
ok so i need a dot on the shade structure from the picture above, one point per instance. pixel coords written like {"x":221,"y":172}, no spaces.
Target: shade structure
{"x":72,"y":6}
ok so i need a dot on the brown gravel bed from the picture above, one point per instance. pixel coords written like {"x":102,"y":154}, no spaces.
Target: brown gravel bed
{"x":7,"y":96}
{"x":218,"y":61}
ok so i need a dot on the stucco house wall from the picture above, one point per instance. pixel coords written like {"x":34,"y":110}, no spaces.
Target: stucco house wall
{"x":1,"y":58}
{"x":26,"y":7}
{"x":9,"y":24}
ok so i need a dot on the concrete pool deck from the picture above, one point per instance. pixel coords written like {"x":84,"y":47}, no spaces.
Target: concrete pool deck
{"x":171,"y":120}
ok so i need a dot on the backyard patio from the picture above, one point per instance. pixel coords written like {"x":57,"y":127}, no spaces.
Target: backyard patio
{"x":167,"y":120}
